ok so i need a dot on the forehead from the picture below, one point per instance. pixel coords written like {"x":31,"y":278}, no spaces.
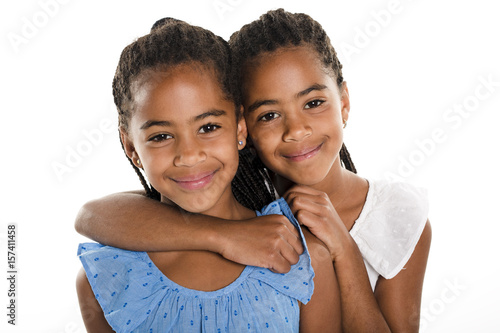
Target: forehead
{"x":185,"y":90}
{"x":287,"y":71}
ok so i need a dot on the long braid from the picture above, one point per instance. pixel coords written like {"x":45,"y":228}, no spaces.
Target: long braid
{"x":278,"y":29}
{"x":345,"y":157}
{"x":251,"y":185}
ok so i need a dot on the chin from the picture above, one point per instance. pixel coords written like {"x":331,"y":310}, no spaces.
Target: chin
{"x":306,"y":178}
{"x":194,"y":206}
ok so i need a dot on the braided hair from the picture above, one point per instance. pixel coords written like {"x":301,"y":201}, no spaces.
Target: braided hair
{"x":169,"y":44}
{"x":278,"y":29}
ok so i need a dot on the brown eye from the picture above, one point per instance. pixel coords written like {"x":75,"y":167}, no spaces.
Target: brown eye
{"x":208,"y":128}
{"x":269,"y":116}
{"x":160,"y":137}
{"x":313,"y":104}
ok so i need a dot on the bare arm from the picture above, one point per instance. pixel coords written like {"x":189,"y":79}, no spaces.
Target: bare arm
{"x":92,"y":314}
{"x":134,"y":222}
{"x":399,"y":298}
{"x":395,"y":306}
{"x":322,"y":313}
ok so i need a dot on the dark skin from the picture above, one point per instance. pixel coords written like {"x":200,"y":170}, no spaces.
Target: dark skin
{"x":304,"y":110}
{"x":186,"y":146}
{"x":295,"y":112}
{"x":269,"y":241}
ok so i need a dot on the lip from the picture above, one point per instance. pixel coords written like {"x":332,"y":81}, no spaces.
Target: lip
{"x":303,"y":154}
{"x":195,"y":182}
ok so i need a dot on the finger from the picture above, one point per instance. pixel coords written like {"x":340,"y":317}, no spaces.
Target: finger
{"x":290,"y":235}
{"x":318,"y":227}
{"x":283,"y":260}
{"x":290,"y":254}
{"x":295,"y":243}
{"x":311,"y":203}
{"x":313,"y":222}
{"x":317,"y":197}
{"x":280,"y":265}
{"x":290,"y":228}
{"x":304,"y":189}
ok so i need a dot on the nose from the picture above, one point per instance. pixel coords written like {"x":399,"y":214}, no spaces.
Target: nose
{"x":296,"y":128}
{"x":189,"y":153}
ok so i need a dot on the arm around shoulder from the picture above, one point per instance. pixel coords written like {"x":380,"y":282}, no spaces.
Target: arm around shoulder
{"x":131,"y":221}
{"x":134,"y":222}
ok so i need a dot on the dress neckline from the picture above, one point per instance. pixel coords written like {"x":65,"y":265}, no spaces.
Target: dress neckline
{"x":364,"y":210}
{"x":194,"y":292}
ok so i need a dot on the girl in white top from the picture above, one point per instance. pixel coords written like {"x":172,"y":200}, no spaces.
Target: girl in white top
{"x":296,"y":103}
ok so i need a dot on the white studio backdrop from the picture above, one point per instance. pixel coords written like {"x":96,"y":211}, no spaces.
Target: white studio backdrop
{"x":424,"y":81}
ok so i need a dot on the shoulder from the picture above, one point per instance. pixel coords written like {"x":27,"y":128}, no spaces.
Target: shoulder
{"x":393,"y":194}
{"x":390,"y":224}
{"x":394,"y":203}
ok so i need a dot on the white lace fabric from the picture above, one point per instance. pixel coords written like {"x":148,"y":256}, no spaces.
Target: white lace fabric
{"x":390,"y":225}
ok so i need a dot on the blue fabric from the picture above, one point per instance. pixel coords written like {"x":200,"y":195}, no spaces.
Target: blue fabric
{"x":137,"y":297}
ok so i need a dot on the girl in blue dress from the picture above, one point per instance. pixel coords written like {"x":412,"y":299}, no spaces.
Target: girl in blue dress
{"x":181,"y":124}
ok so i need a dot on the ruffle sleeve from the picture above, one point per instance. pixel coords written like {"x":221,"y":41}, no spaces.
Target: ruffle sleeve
{"x":127,"y":294}
{"x":298,"y":282}
{"x":390,"y":225}
{"x":135,"y":295}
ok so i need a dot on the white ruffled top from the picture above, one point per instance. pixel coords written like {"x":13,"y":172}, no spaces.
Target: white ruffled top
{"x":389,"y":227}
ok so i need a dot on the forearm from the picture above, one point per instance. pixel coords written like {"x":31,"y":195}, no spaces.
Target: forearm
{"x":360,"y":310}
{"x":135,"y":222}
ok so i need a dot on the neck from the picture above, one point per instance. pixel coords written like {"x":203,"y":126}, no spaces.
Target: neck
{"x":227,"y":208}
{"x":337,"y":184}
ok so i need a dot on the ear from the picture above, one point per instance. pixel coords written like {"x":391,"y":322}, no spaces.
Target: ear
{"x":129,"y":147}
{"x":241,"y":130}
{"x":345,"y":101}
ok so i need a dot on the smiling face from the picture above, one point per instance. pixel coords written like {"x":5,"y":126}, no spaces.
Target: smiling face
{"x":185,"y":134}
{"x":294,"y":113}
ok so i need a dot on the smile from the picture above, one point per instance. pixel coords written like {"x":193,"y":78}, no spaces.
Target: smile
{"x":303,"y":154}
{"x":195,"y":182}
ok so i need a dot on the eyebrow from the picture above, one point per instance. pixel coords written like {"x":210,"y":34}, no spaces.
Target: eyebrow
{"x":314,"y":87}
{"x":210,"y":113}
{"x":151,"y":123}
{"x":258,"y":103}
{"x":166,"y":123}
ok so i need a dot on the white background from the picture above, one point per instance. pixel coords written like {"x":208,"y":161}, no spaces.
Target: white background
{"x":408,"y":73}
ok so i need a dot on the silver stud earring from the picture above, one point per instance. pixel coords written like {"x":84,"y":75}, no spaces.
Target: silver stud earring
{"x":240,"y":142}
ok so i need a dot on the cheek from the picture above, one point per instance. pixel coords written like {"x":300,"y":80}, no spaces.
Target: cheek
{"x":265,"y":144}
{"x":154,"y":161}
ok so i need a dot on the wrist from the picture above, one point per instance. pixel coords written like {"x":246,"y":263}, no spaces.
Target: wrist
{"x":214,"y":237}
{"x":346,"y":252}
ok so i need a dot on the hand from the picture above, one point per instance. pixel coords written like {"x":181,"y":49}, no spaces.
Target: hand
{"x":314,"y":209}
{"x":269,"y":241}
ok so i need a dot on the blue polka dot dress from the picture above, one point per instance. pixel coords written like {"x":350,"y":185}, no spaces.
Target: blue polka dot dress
{"x":137,"y":297}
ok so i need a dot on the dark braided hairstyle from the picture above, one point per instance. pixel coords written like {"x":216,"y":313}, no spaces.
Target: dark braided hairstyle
{"x":277,"y":29}
{"x":171,"y":43}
